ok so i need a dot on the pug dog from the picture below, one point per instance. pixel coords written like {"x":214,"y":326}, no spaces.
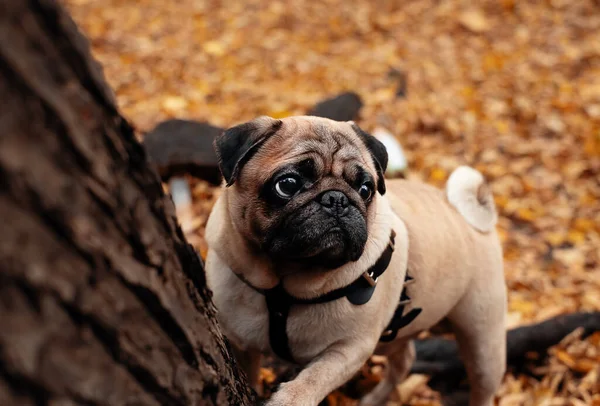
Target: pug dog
{"x":315,"y":256}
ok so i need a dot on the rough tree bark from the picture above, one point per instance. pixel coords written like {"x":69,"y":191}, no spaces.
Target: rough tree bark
{"x":102,"y":301}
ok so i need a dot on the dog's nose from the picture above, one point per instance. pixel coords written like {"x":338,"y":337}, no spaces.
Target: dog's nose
{"x":335,"y":202}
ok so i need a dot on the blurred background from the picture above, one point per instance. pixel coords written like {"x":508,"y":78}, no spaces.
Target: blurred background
{"x":510,"y":87}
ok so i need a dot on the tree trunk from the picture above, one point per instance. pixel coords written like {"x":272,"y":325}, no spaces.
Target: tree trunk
{"x":102,"y":301}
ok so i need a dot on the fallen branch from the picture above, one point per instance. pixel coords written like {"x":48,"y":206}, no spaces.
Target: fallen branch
{"x":343,"y":107}
{"x":177,"y":147}
{"x":440,"y":356}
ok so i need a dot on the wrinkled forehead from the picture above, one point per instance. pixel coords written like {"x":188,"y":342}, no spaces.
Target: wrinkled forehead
{"x":332,"y":147}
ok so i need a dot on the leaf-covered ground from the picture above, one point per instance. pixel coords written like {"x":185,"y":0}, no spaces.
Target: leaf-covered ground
{"x":512,"y":88}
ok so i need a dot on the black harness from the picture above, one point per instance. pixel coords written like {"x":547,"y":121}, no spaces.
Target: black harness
{"x":359,"y":292}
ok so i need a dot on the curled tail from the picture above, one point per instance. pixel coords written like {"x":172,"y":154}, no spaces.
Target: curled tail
{"x":468,"y":192}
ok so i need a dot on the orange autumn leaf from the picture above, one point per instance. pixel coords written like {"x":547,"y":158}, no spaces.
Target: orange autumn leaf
{"x":266,"y":375}
{"x":438,"y":174}
{"x":565,"y":358}
{"x":585,"y":365}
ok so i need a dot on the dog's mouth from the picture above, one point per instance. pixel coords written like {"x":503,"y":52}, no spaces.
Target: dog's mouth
{"x":330,"y":249}
{"x":333,"y":241}
{"x":333,"y":252}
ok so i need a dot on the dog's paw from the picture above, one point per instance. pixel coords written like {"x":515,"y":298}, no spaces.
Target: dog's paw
{"x":277,"y":401}
{"x":287,"y":395}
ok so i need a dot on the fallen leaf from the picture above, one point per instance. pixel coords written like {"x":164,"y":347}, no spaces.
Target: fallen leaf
{"x":407,"y":388}
{"x":474,"y":20}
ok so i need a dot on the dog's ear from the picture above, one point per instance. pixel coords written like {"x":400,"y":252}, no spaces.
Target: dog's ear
{"x":379,"y":154}
{"x":235,"y":146}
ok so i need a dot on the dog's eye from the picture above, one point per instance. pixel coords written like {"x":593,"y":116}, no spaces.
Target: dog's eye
{"x":365,"y":191}
{"x":287,"y":187}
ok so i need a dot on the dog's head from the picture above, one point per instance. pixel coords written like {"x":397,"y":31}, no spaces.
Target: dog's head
{"x":302,"y":188}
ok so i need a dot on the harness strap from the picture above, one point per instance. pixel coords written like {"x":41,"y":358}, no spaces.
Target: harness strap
{"x":398,"y":319}
{"x":279,"y":304}
{"x":359,"y":292}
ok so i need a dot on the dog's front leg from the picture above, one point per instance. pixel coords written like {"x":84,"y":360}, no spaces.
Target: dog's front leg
{"x":334,"y":367}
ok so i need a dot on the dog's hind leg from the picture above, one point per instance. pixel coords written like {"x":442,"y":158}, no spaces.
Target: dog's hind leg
{"x":478,"y":323}
{"x":401,"y":356}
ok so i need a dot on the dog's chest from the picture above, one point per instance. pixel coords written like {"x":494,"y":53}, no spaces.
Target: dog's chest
{"x":313,"y":328}
{"x":244,"y":316}
{"x":310,"y":329}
